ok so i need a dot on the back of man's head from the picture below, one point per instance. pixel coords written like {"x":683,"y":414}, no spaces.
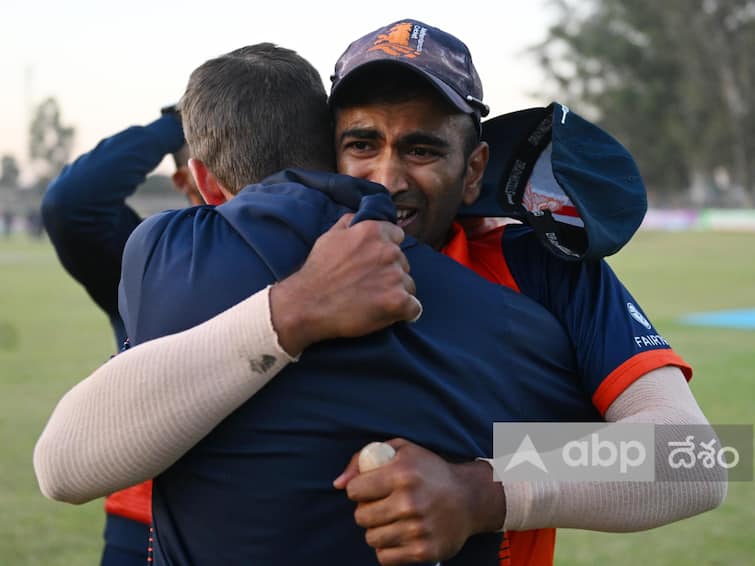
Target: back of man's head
{"x":255,"y":111}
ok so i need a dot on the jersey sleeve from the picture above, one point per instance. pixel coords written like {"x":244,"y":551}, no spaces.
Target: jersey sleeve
{"x":614,"y":341}
{"x":84,"y":209}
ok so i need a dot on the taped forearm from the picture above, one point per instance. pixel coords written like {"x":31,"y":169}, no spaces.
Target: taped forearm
{"x":660,"y":397}
{"x":609,"y":506}
{"x":142,"y":410}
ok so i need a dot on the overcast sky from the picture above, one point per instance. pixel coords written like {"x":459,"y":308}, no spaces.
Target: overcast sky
{"x":114,"y":64}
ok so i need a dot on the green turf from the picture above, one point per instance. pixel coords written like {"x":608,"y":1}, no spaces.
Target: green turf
{"x":672,"y":274}
{"x":51,"y":336}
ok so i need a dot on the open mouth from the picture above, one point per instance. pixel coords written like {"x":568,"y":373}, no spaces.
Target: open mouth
{"x":405,"y":216}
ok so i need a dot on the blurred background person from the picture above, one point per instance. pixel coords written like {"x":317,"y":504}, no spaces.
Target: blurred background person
{"x":88,"y":221}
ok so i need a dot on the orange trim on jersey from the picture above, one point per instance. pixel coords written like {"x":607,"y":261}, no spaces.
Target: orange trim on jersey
{"x":482,"y":253}
{"x":457,"y":248}
{"x":486,"y":253}
{"x":133,"y":503}
{"x":631,"y":370}
{"x":504,"y":551}
{"x":528,"y":548}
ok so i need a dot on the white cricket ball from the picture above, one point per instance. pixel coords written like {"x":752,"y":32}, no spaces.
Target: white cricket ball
{"x":374,"y":455}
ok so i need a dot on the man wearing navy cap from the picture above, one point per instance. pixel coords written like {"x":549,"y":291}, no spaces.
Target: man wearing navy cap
{"x":399,"y":138}
{"x":425,"y":150}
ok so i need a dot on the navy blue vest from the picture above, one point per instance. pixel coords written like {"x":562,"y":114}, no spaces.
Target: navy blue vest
{"x":257,"y":490}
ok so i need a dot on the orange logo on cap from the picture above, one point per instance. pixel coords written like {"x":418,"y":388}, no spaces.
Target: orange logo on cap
{"x":396,"y":41}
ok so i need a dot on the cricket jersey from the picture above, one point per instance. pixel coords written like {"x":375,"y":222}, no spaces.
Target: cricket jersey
{"x":597,"y":312}
{"x":258,"y":489}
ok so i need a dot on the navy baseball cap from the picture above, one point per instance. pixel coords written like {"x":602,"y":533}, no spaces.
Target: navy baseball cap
{"x":576,"y":185}
{"x":439,"y":57}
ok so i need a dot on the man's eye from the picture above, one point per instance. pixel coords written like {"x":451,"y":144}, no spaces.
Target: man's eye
{"x":424,"y":152}
{"x":358,"y":145}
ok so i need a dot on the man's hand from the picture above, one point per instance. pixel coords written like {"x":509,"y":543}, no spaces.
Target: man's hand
{"x":354,"y":281}
{"x":420,"y":508}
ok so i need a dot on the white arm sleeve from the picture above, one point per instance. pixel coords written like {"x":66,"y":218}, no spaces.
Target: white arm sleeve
{"x":146,"y":407}
{"x":662,"y":396}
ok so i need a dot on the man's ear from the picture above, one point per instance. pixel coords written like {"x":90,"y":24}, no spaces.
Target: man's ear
{"x":208,"y":185}
{"x":476,"y":164}
{"x":184,"y":183}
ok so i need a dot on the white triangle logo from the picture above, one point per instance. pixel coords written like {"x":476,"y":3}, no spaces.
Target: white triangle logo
{"x":526,"y":453}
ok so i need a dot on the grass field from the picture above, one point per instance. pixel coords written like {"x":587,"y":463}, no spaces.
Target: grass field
{"x":51,"y":335}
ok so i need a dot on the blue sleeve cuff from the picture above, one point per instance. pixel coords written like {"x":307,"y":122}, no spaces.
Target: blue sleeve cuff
{"x":169,"y":132}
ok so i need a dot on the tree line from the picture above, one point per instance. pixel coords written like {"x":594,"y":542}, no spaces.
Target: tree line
{"x":672,"y":80}
{"x":49,"y":150}
{"x":50,"y":143}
